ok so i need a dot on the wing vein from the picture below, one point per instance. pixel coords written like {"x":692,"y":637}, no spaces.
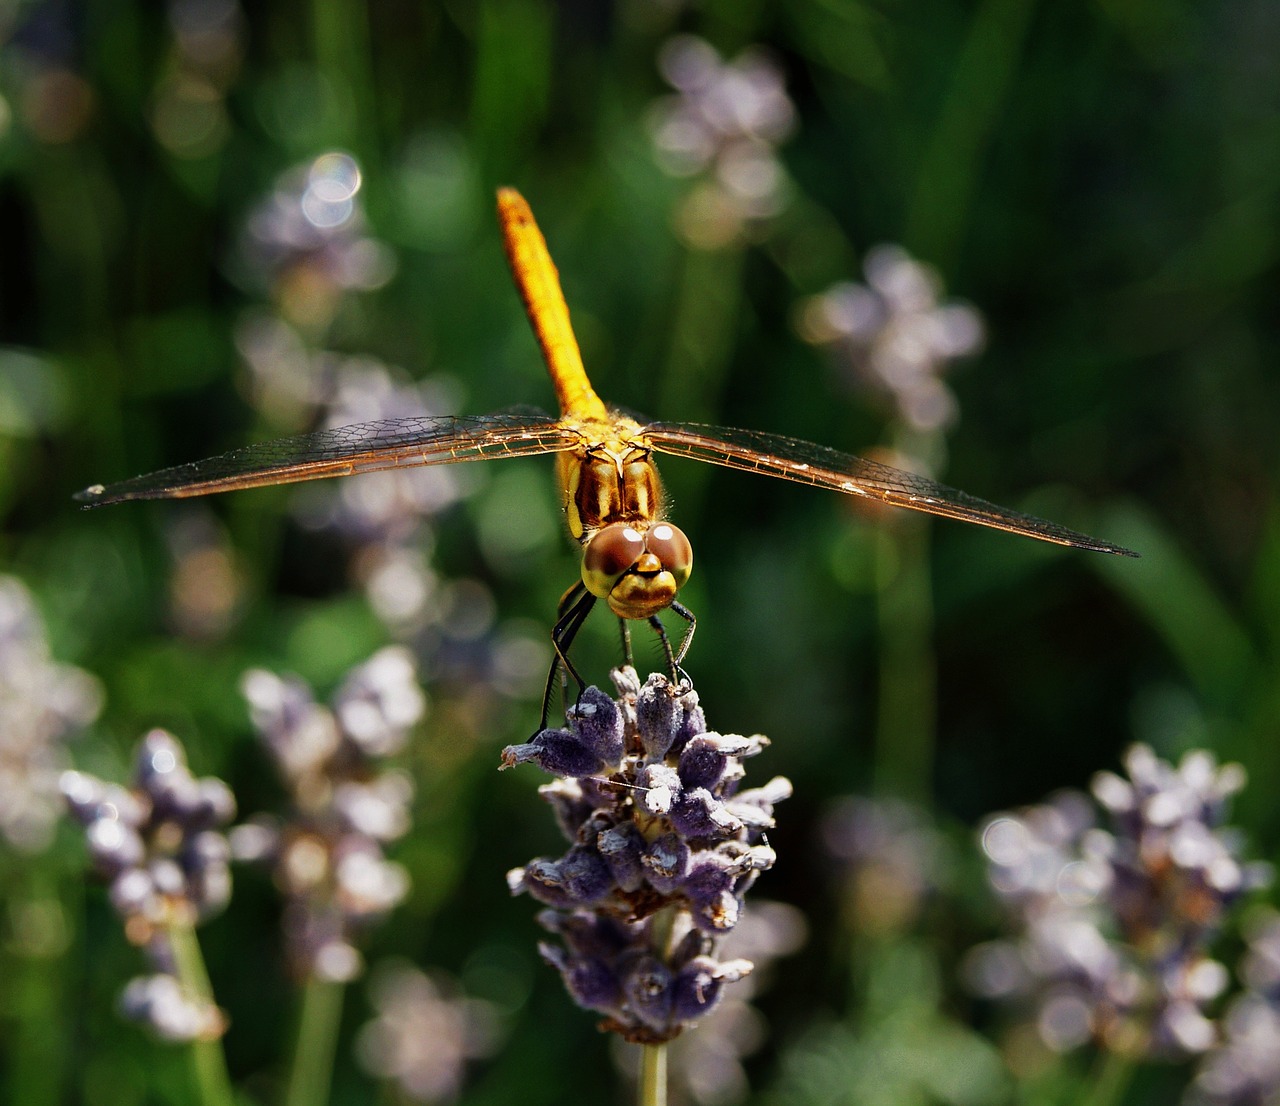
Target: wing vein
{"x":817,"y":465}
{"x":344,"y":450}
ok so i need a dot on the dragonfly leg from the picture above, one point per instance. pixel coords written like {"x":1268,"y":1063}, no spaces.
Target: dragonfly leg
{"x":628,"y":657}
{"x":661,"y":631}
{"x":674,"y":659}
{"x":575,"y":605}
{"x":687,"y":640}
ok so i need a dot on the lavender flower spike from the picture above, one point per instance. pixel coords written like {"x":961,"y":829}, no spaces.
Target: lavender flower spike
{"x":1114,"y":924}
{"x":663,"y":848}
{"x":328,"y":854}
{"x":160,"y":845}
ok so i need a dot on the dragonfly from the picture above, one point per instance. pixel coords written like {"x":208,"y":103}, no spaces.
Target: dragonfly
{"x":633,"y":557}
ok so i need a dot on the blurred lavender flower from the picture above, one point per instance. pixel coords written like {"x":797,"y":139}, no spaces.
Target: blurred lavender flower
{"x":206,"y":585}
{"x":55,"y":103}
{"x":303,"y":388}
{"x":188,"y":113}
{"x":160,"y":846}
{"x":890,"y":857}
{"x":893,"y":337}
{"x":381,"y":508}
{"x":41,"y":704}
{"x":383,"y":516}
{"x":664,"y":847}
{"x":424,"y":1032}
{"x":159,"y":843}
{"x":306,"y":241}
{"x":169,"y":1010}
{"x":327,"y":856}
{"x":723,"y":125}
{"x":1244,"y":1068}
{"x":1115,"y":923}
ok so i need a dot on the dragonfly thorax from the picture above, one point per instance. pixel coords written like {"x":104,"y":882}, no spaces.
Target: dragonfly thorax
{"x":609,"y":481}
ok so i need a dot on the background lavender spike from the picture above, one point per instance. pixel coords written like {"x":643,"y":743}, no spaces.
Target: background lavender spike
{"x":424,"y":1031}
{"x":1112,"y":925}
{"x":160,"y":846}
{"x":159,"y":843}
{"x":42,"y":704}
{"x":327,"y":854}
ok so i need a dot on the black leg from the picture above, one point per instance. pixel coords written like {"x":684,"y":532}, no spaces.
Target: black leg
{"x":575,"y":605}
{"x":661,"y":631}
{"x":674,"y":657}
{"x":628,"y":658}
{"x":687,"y":640}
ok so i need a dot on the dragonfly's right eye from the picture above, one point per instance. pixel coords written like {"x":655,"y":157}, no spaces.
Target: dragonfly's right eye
{"x":672,"y":548}
{"x":611,"y":551}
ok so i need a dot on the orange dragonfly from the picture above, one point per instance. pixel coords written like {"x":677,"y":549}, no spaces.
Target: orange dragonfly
{"x":632,"y":558}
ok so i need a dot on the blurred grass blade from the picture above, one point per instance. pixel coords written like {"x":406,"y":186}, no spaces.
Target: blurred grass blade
{"x":1180,"y":604}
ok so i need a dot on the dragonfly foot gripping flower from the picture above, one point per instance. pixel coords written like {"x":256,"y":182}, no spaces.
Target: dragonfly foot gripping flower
{"x":664,"y":845}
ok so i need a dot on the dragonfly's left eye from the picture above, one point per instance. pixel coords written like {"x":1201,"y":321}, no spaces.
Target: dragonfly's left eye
{"x":672,"y":548}
{"x":610,"y":553}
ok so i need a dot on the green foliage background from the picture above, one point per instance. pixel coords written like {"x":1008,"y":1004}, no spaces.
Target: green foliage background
{"x":1099,"y":178}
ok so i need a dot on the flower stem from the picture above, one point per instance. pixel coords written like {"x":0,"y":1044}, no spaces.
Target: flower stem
{"x":1110,"y":1078}
{"x":908,"y":677}
{"x":955,"y":153}
{"x":317,"y":1037}
{"x":710,"y":300}
{"x":653,"y":1060}
{"x":653,"y":1076}
{"x":208,"y":1062}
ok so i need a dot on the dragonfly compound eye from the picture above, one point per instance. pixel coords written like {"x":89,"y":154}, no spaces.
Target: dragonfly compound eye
{"x":672,"y":548}
{"x":609,"y":554}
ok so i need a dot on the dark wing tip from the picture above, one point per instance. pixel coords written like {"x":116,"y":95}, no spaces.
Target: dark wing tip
{"x":90,"y":496}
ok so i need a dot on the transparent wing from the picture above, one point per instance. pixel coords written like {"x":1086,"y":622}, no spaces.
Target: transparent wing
{"x":344,"y":450}
{"x":807,"y":463}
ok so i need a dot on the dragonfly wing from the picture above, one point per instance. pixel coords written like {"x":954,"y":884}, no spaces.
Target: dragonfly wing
{"x":345,"y":450}
{"x":808,"y":463}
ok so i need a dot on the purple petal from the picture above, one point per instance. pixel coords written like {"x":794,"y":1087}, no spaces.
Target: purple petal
{"x":647,"y":987}
{"x":666,"y":862}
{"x":622,"y":848}
{"x":598,"y":724}
{"x":698,"y":813}
{"x":579,"y":878}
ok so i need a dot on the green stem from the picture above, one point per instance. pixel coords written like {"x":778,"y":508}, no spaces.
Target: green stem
{"x":951,"y":162}
{"x":907,"y":716}
{"x":653,"y":1076}
{"x":340,"y":38}
{"x":652,"y":1090}
{"x":907,"y":711}
{"x":208,"y":1062}
{"x":1110,"y":1079}
{"x":313,"y":1052}
{"x":702,"y":335}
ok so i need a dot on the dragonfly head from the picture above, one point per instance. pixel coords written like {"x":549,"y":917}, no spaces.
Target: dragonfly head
{"x":636,"y":571}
